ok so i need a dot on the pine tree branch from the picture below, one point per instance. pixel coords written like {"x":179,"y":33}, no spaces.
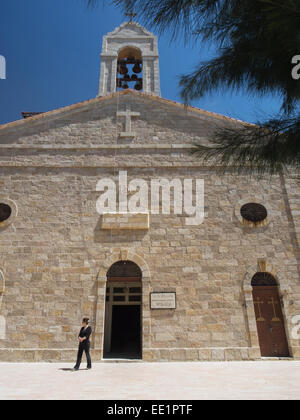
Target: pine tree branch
{"x":264,"y":148}
{"x":281,"y":6}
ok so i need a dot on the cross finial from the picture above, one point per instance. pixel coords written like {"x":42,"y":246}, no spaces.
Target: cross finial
{"x":131,"y":15}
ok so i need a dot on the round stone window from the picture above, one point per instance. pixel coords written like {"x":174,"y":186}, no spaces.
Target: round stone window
{"x":5,"y":212}
{"x":254,"y":212}
{"x":8,"y":212}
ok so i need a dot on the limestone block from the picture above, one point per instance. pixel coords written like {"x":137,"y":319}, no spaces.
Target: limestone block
{"x":2,"y":328}
{"x":254,"y":353}
{"x":233,"y":354}
{"x":204,"y":354}
{"x":218,"y":354}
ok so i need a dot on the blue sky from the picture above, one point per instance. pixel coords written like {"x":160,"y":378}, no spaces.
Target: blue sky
{"x":52,"y":49}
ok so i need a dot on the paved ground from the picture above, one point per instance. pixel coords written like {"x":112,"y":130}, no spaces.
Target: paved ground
{"x":188,"y":381}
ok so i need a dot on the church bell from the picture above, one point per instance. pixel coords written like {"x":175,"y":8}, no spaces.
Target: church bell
{"x":137,"y":68}
{"x":129,"y":68}
{"x":138,"y":86}
{"x":123,"y":69}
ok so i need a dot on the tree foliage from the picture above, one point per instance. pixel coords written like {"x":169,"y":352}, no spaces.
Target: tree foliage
{"x":256,"y":40}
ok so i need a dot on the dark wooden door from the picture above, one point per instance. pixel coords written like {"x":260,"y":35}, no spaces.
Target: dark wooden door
{"x":126,"y":330}
{"x":270,"y":323}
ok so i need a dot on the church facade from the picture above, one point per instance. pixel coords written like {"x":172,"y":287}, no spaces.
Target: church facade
{"x":157,"y":285}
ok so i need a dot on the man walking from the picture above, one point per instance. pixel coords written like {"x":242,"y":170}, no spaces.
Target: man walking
{"x":84,"y":344}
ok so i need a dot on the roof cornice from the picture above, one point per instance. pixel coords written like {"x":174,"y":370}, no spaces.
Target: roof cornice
{"x":57,"y":112}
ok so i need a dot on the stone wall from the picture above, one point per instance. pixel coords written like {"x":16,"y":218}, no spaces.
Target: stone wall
{"x":55,"y":254}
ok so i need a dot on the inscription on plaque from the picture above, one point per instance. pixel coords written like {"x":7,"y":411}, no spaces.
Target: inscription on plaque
{"x":163,"y":300}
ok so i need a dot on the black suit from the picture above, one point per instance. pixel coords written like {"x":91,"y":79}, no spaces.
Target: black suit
{"x":84,"y":347}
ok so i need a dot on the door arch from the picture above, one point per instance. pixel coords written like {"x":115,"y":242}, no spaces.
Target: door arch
{"x":269,"y":317}
{"x":123,"y":311}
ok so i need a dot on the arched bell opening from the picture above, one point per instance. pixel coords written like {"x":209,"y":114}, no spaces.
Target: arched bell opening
{"x":130,"y":69}
{"x":269,"y":316}
{"x":123,"y":312}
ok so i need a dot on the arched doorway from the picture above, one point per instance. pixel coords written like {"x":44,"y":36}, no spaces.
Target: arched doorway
{"x":269,"y":318}
{"x":123,"y":312}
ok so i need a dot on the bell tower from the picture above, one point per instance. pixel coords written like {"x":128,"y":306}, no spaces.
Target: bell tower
{"x":129,"y":60}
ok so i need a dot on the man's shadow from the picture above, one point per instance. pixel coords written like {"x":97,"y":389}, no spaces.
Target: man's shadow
{"x":71,"y":369}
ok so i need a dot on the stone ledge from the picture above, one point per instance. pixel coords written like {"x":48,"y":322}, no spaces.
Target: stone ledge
{"x":209,"y":354}
{"x":44,"y":355}
{"x":122,"y":221}
{"x":127,"y":134}
{"x":83,"y":147}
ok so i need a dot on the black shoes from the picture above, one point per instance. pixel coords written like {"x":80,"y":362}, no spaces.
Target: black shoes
{"x":76,"y":368}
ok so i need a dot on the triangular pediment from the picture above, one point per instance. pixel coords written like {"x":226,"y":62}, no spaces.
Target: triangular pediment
{"x":158,"y":114}
{"x":130,"y":29}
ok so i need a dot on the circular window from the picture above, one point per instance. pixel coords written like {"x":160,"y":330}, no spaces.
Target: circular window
{"x":8,"y":212}
{"x":253,"y":212}
{"x":5,"y":212}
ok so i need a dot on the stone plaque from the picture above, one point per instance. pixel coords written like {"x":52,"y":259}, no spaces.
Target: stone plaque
{"x":163,"y":300}
{"x":122,"y":221}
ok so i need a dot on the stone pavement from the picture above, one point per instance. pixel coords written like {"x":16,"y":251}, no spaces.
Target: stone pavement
{"x":189,"y":381}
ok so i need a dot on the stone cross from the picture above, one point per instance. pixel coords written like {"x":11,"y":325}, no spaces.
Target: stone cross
{"x":258,"y":303}
{"x":131,"y":15}
{"x":273,"y":303}
{"x":128,"y":114}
